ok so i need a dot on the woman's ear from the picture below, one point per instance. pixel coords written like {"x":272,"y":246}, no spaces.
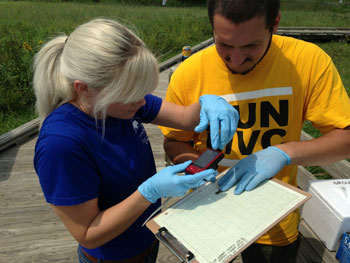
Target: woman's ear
{"x":82,"y":89}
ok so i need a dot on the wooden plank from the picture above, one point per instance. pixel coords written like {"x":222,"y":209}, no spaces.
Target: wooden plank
{"x":307,"y":253}
{"x":346,"y":29}
{"x":304,"y":176}
{"x":20,"y":134}
{"x":339,"y":170}
{"x":316,"y":34}
{"x":316,"y":247}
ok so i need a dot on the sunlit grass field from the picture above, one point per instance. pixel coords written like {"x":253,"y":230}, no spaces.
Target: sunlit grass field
{"x":25,"y":26}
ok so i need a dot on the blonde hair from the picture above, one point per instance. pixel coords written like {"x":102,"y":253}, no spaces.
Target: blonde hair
{"x":101,"y":53}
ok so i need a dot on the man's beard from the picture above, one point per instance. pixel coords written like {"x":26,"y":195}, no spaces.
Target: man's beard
{"x":250,"y":69}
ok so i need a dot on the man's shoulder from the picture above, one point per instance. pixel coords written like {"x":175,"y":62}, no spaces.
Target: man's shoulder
{"x":207,"y":51}
{"x":287,"y":43}
{"x":297,"y":50}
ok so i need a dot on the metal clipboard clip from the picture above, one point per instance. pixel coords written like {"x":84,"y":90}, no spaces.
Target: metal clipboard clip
{"x":174,"y":245}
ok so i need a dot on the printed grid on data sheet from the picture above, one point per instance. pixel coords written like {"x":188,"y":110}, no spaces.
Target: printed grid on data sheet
{"x":215,"y":226}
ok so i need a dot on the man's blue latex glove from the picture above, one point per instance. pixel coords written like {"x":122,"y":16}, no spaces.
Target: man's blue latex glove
{"x":167,"y":183}
{"x":222,"y":117}
{"x":254,"y":169}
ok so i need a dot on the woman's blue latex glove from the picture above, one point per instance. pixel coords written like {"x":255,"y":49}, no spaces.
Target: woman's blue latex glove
{"x":222,"y":117}
{"x":167,"y":183}
{"x":254,"y":169}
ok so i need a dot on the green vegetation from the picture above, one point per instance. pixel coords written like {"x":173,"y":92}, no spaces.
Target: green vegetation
{"x":25,"y":26}
{"x":315,"y":13}
{"x":340,"y":53}
{"x":319,"y":173}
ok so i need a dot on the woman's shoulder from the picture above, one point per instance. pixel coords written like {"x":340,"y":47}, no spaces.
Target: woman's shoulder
{"x":66,"y":122}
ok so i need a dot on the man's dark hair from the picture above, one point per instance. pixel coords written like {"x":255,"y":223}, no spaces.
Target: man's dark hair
{"x":239,"y":11}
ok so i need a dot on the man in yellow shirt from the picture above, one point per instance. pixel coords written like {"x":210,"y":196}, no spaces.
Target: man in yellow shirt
{"x":275,"y":83}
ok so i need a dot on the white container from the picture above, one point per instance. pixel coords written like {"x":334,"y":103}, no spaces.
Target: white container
{"x":328,"y":211}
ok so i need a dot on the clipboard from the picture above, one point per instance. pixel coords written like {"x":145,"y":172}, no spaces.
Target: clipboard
{"x":205,"y":227}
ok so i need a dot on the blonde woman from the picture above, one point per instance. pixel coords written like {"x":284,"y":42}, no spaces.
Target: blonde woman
{"x":93,"y":156}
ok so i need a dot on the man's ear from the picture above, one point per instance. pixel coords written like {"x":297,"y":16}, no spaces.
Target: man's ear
{"x":81,"y":88}
{"x":276,"y":23}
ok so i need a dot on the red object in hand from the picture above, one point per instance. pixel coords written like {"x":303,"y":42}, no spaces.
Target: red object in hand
{"x":207,"y":160}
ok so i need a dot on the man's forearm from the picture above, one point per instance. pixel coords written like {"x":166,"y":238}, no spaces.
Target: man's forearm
{"x":178,"y":151}
{"x":331,"y":147}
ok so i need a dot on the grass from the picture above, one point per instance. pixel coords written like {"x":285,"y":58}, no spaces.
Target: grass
{"x":314,"y":14}
{"x":319,"y":173}
{"x":24,"y":26}
{"x":163,"y":29}
{"x":340,"y":53}
{"x":16,"y":119}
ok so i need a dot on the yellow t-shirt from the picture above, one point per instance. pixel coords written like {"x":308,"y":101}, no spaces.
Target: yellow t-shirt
{"x":295,"y":81}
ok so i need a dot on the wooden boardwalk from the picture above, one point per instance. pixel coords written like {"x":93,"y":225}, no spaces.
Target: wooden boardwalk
{"x":29,"y":230}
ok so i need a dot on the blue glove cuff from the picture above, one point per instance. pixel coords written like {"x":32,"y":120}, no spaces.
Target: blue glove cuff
{"x":209,"y":96}
{"x":283,"y":153}
{"x":147,"y":192}
{"x":201,"y":99}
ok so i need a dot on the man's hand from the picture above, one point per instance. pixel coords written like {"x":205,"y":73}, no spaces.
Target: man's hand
{"x":222,"y":117}
{"x":167,"y":183}
{"x":254,"y":169}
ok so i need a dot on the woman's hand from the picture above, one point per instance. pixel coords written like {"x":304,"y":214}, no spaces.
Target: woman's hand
{"x":167,"y":183}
